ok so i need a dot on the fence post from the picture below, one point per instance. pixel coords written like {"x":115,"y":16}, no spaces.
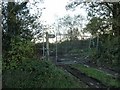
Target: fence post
{"x":47,"y":45}
{"x":97,"y":48}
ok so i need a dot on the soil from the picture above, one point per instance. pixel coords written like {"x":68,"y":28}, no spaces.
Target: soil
{"x":91,"y":82}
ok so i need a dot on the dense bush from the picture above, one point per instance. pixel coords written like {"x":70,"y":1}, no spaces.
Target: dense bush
{"x":35,"y":73}
{"x":19,"y":51}
{"x":108,"y":52}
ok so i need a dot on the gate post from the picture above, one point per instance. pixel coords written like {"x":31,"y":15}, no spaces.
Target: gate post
{"x":56,"y":48}
{"x":47,"y":46}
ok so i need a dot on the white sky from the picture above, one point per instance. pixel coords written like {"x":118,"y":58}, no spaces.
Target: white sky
{"x":55,"y":9}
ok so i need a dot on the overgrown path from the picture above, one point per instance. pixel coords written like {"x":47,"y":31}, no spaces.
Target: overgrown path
{"x":109,"y":71}
{"x":66,"y":63}
{"x":85,"y":62}
{"x":91,"y":82}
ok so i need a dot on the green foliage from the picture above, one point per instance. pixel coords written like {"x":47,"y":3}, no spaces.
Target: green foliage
{"x":17,"y":34}
{"x":20,"y":51}
{"x":38,"y":74}
{"x":104,"y":20}
{"x":110,"y":51}
{"x":74,"y":46}
{"x":107,"y":51}
{"x":94,"y":25}
{"x":0,"y":65}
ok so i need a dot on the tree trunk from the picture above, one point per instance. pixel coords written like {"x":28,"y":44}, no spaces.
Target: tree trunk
{"x":116,"y":17}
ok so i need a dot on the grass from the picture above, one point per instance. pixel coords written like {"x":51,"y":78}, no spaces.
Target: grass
{"x":100,"y":75}
{"x":39,"y":74}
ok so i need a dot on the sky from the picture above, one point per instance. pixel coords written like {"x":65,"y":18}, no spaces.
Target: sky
{"x":54,"y":9}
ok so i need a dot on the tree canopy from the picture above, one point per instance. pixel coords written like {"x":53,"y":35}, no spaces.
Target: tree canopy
{"x":104,"y":23}
{"x":18,"y":25}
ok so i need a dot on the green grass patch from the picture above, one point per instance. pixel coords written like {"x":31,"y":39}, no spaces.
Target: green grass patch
{"x":38,"y":74}
{"x":100,"y":75}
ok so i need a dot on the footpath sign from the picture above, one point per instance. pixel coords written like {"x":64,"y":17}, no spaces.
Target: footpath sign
{"x":51,"y":36}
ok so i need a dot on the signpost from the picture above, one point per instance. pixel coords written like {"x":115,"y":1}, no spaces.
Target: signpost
{"x":51,"y":35}
{"x":56,"y":48}
{"x":46,"y":50}
{"x":47,"y":46}
{"x":47,"y":43}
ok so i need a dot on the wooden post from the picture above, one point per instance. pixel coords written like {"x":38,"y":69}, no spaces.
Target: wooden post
{"x":97,"y":48}
{"x":97,"y":42}
{"x":90,"y":42}
{"x":43,"y":46}
{"x":56,"y":48}
{"x":47,"y":46}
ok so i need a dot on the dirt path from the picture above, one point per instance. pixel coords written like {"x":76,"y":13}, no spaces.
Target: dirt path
{"x":70,"y":60}
{"x":91,"y":82}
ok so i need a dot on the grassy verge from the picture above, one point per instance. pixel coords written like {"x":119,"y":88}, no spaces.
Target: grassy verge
{"x":38,"y":74}
{"x":102,"y":76}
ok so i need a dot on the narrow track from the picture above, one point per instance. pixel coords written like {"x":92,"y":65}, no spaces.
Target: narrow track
{"x":91,"y":82}
{"x":109,"y":71}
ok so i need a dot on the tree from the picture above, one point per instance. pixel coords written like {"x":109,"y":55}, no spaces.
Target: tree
{"x":107,"y":24}
{"x":110,"y":12}
{"x":73,"y":34}
{"x":17,"y":34}
{"x":72,"y":26}
{"x":104,"y":10}
{"x":104,"y":18}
